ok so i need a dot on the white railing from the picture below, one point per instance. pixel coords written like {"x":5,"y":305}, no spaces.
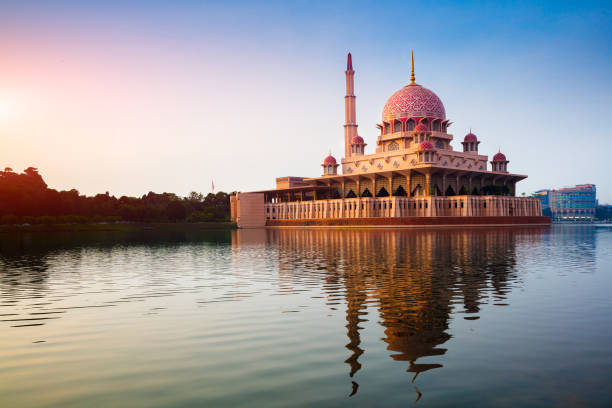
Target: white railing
{"x":462,"y":206}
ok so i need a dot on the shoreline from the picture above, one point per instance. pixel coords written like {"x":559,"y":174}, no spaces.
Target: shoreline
{"x":119,"y":227}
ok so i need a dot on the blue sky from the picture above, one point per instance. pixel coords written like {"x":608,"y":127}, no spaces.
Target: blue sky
{"x":167,"y":96}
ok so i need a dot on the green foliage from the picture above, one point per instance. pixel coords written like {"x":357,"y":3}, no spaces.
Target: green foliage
{"x":26,"y":199}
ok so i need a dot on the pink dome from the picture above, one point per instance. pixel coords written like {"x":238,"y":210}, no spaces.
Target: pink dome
{"x":470,"y":137}
{"x":357,"y":140}
{"x":425,"y":146}
{"x":499,"y":157}
{"x":413,"y":101}
{"x":329,"y":160}
{"x":420,"y":128}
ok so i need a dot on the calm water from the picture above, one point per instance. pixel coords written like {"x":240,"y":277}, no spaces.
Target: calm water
{"x":480,"y":317}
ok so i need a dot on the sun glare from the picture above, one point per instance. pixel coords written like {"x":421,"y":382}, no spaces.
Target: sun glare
{"x":4,"y":108}
{"x":7,"y":108}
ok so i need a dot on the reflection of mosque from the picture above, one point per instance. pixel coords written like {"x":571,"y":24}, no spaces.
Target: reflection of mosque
{"x":414,"y":279}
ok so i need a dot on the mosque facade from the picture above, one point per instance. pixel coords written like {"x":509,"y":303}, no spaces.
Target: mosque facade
{"x":413,"y":177}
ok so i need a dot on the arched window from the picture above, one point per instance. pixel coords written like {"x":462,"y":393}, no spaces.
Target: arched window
{"x":397,"y":126}
{"x":439,"y":144}
{"x":393,"y":146}
{"x":435,"y":125}
{"x":387,"y":128}
{"x":410,"y":125}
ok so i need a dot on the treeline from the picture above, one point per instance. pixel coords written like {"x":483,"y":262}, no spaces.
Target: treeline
{"x":25,"y":198}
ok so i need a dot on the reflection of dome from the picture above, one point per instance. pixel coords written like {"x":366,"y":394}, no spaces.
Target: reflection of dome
{"x":413,"y":101}
{"x":357,"y":140}
{"x":499,"y":157}
{"x":470,"y":137}
{"x":329,"y":160}
{"x":426,"y":146}
{"x":420,"y":128}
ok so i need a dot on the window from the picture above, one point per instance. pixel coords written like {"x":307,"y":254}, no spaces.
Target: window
{"x":397,"y":126}
{"x":393,"y":146}
{"x":410,"y":125}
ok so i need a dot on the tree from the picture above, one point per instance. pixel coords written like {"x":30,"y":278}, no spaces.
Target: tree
{"x":176,"y":211}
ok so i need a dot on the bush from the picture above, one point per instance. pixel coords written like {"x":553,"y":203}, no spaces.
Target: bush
{"x":28,"y":219}
{"x":46,"y":220}
{"x":9,"y":219}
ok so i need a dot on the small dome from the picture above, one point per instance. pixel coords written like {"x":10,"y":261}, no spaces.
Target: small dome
{"x":499,"y":157}
{"x":420,"y":128}
{"x":357,"y":140}
{"x":329,"y":160}
{"x":470,"y":137}
{"x":425,"y":146}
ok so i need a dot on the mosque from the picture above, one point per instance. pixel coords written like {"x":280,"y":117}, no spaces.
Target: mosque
{"x":414,"y":176}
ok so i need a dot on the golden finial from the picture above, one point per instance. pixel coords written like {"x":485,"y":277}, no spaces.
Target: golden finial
{"x":412,"y":70}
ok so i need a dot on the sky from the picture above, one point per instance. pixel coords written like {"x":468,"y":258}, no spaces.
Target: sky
{"x":132,"y":97}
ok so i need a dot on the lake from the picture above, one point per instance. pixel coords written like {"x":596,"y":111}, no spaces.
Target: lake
{"x":295,"y":317}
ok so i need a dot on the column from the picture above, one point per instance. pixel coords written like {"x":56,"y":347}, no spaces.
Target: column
{"x":444,"y":184}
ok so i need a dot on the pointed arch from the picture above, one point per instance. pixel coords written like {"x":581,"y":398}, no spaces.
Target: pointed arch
{"x":450,"y":191}
{"x":366,"y":193}
{"x":397,"y":126}
{"x":410,"y":125}
{"x":417,"y":191}
{"x":462,"y":191}
{"x":382,"y":192}
{"x":400,"y":192}
{"x":351,"y":194}
{"x":475,"y":191}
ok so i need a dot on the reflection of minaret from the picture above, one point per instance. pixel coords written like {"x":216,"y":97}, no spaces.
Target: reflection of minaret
{"x":355,"y":297}
{"x":350,"y":116}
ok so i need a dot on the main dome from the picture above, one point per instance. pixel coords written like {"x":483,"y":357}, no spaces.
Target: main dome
{"x":413,"y":101}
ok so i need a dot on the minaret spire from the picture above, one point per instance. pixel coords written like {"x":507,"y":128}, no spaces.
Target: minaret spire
{"x":350,"y":115}
{"x":412,"y":68}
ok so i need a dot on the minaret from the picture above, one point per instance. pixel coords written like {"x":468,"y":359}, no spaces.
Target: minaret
{"x":350,"y":116}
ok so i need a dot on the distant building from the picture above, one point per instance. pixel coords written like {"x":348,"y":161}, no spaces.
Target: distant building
{"x":573,"y":203}
{"x":604,"y":212}
{"x":544,"y":197}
